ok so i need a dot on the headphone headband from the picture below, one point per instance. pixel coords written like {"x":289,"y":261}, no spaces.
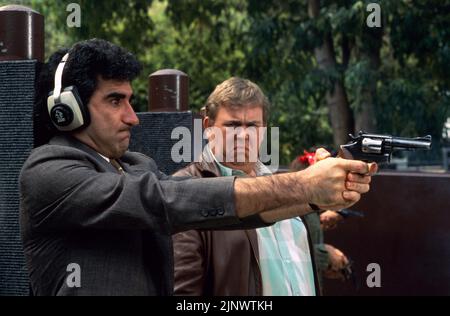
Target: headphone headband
{"x":58,"y":78}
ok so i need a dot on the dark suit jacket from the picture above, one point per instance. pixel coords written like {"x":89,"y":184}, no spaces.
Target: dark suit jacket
{"x":76,"y":208}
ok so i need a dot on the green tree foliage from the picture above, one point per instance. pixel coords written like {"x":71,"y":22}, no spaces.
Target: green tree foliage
{"x":395,"y":77}
{"x":400,"y":69}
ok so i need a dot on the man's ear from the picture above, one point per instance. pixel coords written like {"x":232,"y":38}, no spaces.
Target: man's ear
{"x":206,"y":122}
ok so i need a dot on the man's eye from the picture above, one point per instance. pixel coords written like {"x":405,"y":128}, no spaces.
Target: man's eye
{"x":115,"y":102}
{"x":233,"y":124}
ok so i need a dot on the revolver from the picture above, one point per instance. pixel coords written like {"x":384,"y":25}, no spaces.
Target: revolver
{"x":379,"y":148}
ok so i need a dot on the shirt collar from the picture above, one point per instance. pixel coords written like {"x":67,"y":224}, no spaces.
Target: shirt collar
{"x":104,"y":157}
{"x":260,"y":168}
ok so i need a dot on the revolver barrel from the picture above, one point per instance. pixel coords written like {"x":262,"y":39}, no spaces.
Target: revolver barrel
{"x":409,"y":143}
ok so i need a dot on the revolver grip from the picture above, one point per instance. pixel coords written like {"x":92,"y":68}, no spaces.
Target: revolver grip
{"x":344,"y":153}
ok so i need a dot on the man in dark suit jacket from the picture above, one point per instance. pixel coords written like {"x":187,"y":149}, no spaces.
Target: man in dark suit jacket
{"x":97,"y":220}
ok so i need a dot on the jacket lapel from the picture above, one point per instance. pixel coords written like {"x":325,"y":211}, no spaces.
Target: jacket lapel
{"x":67,"y":140}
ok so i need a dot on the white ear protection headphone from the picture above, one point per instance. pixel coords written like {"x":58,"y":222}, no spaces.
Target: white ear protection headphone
{"x":65,"y":107}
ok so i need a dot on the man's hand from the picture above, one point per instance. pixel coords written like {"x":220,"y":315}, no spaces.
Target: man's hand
{"x":336,"y":183}
{"x":329,"y":220}
{"x":353,"y":180}
{"x":338,"y":261}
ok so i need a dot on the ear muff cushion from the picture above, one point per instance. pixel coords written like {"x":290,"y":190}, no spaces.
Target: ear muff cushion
{"x":83,"y":107}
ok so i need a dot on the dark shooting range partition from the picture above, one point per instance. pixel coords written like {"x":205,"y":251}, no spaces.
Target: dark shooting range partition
{"x":21,"y":52}
{"x":168,"y":91}
{"x":406,"y":231}
{"x":153,"y":137}
{"x":16,"y":141}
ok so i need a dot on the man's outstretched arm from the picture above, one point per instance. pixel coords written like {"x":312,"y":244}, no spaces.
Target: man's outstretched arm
{"x":333,"y":183}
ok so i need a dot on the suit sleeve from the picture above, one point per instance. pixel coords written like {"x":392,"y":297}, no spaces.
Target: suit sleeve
{"x":190,"y":263}
{"x":62,"y":190}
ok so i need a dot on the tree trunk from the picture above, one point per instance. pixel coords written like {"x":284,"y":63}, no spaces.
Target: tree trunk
{"x":338,"y":107}
{"x":365,"y":118}
{"x":346,"y":51}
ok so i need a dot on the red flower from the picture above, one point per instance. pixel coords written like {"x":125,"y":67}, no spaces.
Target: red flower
{"x":307,"y":157}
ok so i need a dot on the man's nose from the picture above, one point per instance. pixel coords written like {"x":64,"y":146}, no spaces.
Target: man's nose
{"x":129,"y":116}
{"x":240,"y":132}
{"x":245,"y":132}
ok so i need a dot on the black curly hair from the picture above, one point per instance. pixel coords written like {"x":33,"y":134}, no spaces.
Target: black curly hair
{"x":87,"y":61}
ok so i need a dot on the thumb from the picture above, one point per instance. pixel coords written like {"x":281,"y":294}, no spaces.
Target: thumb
{"x":373,"y":168}
{"x":321,"y":154}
